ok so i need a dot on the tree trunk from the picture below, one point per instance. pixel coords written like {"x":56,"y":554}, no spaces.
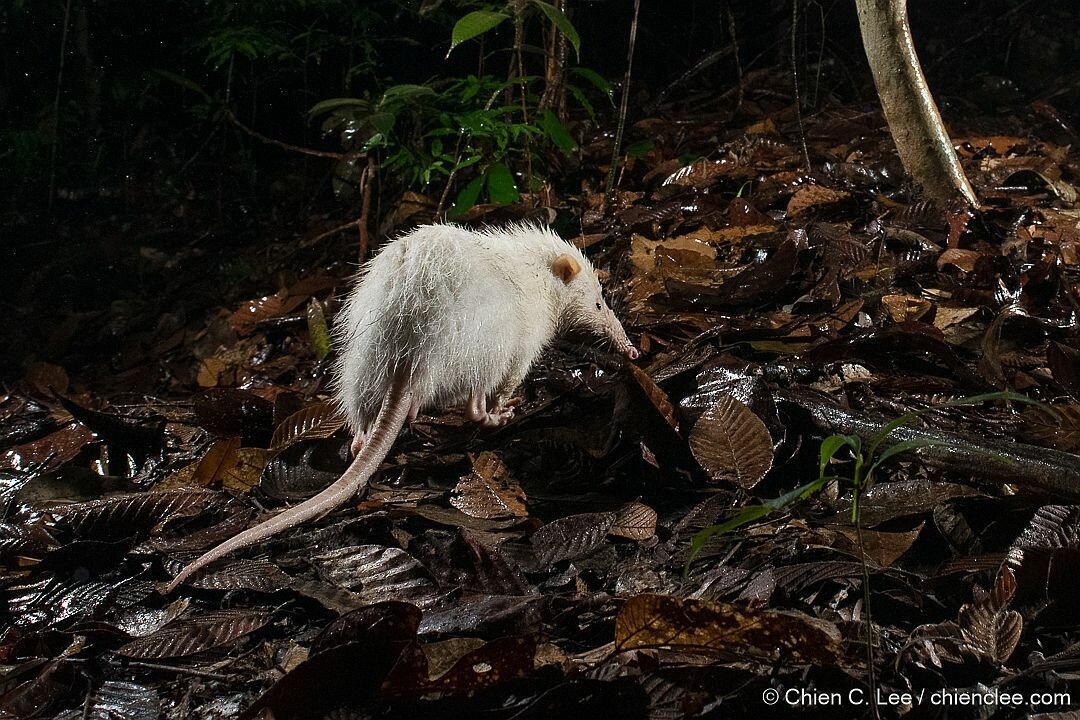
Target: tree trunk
{"x":925,"y":148}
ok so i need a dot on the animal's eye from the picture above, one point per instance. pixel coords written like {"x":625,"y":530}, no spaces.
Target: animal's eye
{"x":597,"y":306}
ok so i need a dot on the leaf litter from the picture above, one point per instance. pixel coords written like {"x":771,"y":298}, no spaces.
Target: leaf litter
{"x":546,"y":565}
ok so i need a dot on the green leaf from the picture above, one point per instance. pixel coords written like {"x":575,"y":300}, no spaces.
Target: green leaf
{"x":404,"y":93}
{"x":183,"y":82}
{"x":828,"y":448}
{"x":334,"y":103}
{"x":559,"y":20}
{"x":317,"y":329}
{"x":501,"y":187}
{"x":640,"y":148}
{"x":475,"y":23}
{"x":902,"y":447}
{"x":971,"y":400}
{"x":557,"y":132}
{"x":467,"y":197}
{"x":582,"y":100}
{"x":751,"y":513}
{"x":598,"y":82}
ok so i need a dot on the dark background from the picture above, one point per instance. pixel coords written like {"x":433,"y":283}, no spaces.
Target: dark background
{"x":133,"y":158}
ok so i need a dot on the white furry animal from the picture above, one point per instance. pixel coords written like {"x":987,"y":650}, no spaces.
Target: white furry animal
{"x":444,"y":316}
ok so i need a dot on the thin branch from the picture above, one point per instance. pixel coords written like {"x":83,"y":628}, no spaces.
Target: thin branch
{"x":56,"y":105}
{"x":291,"y":148}
{"x":623,"y":104}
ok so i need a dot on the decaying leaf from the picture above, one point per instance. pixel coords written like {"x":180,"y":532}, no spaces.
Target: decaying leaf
{"x":658,"y":621}
{"x":314,"y":422}
{"x":460,"y":666}
{"x":123,"y":515}
{"x":1059,"y":430}
{"x":571,"y":537}
{"x":378,"y":573}
{"x":635,"y":521}
{"x":488,"y":491}
{"x":191,"y":636}
{"x":51,"y":451}
{"x":987,"y":624}
{"x":732,"y":444}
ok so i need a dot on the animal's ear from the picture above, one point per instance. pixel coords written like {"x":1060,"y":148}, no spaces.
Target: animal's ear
{"x":566,"y":268}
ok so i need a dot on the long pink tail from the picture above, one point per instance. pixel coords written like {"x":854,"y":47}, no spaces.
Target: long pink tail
{"x":388,"y":423}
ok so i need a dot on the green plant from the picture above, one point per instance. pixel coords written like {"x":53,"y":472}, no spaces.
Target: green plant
{"x":865,"y":462}
{"x":485,"y":137}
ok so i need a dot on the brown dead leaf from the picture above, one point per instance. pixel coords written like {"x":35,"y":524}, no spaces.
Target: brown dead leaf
{"x":881,"y":548}
{"x":55,"y":449}
{"x":47,"y":379}
{"x":658,"y":621}
{"x":813,"y":196}
{"x":946,"y":316}
{"x":235,"y":468}
{"x":268,"y":307}
{"x":987,"y":624}
{"x":488,"y":491}
{"x":1061,"y":431}
{"x":210,"y":370}
{"x":700,"y":173}
{"x":962,"y":259}
{"x":635,"y":521}
{"x":732,"y":444}
{"x":191,"y":636}
{"x":314,"y":422}
{"x":902,"y":308}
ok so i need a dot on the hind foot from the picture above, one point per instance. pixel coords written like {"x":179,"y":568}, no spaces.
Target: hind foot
{"x":478,"y":411}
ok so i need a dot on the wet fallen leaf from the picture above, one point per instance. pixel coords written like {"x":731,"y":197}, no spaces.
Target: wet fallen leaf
{"x":732,"y":444}
{"x":657,"y":621}
{"x":488,"y":491}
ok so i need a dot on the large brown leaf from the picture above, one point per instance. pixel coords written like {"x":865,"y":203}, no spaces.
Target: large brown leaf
{"x":732,"y":444}
{"x":658,"y":621}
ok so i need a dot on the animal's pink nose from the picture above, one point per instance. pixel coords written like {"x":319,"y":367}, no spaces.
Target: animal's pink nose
{"x":631,"y":352}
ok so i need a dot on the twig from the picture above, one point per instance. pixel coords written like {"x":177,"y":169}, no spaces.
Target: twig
{"x":367,"y":179}
{"x":292,"y":148}
{"x":180,"y":670}
{"x":623,"y":104}
{"x":352,"y":223}
{"x":738,"y":63}
{"x":795,"y":80}
{"x":56,"y":106}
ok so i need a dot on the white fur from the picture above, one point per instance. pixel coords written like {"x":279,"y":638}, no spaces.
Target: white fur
{"x":462,"y":313}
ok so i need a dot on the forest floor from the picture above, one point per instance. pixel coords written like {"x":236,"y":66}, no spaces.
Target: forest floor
{"x":673,"y":537}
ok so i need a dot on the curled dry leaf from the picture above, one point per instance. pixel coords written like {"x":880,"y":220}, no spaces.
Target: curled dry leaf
{"x":235,"y":468}
{"x":902,"y":308}
{"x":314,"y":422}
{"x":651,"y":621}
{"x":732,"y":444}
{"x":987,"y":624}
{"x":635,"y":521}
{"x":655,"y":396}
{"x":268,"y":307}
{"x":488,"y":491}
